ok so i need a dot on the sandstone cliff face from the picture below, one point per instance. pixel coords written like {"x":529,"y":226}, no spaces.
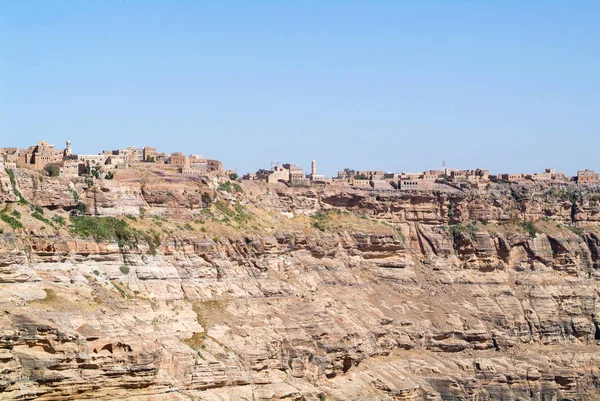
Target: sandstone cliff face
{"x":444,"y":296}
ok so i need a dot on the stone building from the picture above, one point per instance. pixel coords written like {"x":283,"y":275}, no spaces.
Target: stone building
{"x":295,"y":172}
{"x":314,"y":176}
{"x":214,"y":165}
{"x":116,"y":162}
{"x":199,"y":163}
{"x":69,"y":169}
{"x":410,"y":176}
{"x":149,"y":154}
{"x":408,"y":184}
{"x":476,"y":175}
{"x":587,"y":177}
{"x":359,"y":183}
{"x":178,"y":159}
{"x":38,"y":156}
{"x":548,"y":175}
{"x":512,"y":177}
{"x":68,"y":151}
{"x":370,"y":174}
{"x":415,"y":184}
{"x":9,"y":155}
{"x":278,"y":173}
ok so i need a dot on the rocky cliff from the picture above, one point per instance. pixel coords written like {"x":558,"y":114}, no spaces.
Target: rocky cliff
{"x":157,"y":288}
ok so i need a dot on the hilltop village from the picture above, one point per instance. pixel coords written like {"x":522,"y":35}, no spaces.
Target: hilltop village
{"x":45,"y":158}
{"x":50,"y":161}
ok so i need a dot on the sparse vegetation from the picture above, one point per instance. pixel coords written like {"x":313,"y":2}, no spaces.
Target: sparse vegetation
{"x":529,"y":227}
{"x":119,"y":288}
{"x":75,"y":195}
{"x":206,"y":198}
{"x":80,"y":208}
{"x":469,"y":228}
{"x":52,"y":170}
{"x":124,"y":269}
{"x":59,"y":220}
{"x":230,"y":187}
{"x":13,"y":183}
{"x":103,"y":229}
{"x":451,"y":207}
{"x":153,"y":240}
{"x":237,"y":214}
{"x":37,"y":215}
{"x":196,"y":341}
{"x":575,"y":230}
{"x":320,"y":220}
{"x":13,"y":222}
{"x":401,"y":235}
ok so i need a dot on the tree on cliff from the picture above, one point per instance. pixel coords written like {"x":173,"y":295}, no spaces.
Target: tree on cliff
{"x":52,"y":170}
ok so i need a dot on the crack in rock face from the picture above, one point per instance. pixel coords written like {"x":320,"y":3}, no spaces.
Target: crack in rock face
{"x":176,"y":290}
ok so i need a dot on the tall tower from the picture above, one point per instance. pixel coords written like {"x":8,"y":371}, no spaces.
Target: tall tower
{"x":68,"y":151}
{"x":313,"y":168}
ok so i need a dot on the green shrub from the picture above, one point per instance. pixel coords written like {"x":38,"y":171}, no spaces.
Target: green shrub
{"x":124,"y":269}
{"x":37,"y":215}
{"x":81,"y":208}
{"x":469,"y":228}
{"x":120,"y":289}
{"x":16,"y":214}
{"x":233,"y":176}
{"x":320,"y":220}
{"x":52,"y":170}
{"x":530,"y":228}
{"x":75,"y":196}
{"x":103,"y":229}
{"x":59,"y":220}
{"x":11,"y":221}
{"x":575,"y":230}
{"x":231,"y":187}
{"x":206,"y":198}
{"x":401,"y":235}
{"x":153,"y":240}
{"x":13,"y":183}
{"x":96,"y":272}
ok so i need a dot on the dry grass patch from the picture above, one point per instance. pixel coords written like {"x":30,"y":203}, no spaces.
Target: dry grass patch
{"x":58,"y":303}
{"x":212,"y":312}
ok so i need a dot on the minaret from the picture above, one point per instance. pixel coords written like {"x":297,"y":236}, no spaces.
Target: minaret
{"x":68,"y":151}
{"x":313,"y":169}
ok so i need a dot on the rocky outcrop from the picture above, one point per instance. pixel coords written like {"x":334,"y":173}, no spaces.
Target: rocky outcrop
{"x":432,"y":296}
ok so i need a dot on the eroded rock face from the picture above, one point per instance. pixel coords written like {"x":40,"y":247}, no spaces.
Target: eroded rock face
{"x":429,"y":310}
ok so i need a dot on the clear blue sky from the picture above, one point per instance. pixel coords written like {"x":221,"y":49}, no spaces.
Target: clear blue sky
{"x":390,"y":85}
